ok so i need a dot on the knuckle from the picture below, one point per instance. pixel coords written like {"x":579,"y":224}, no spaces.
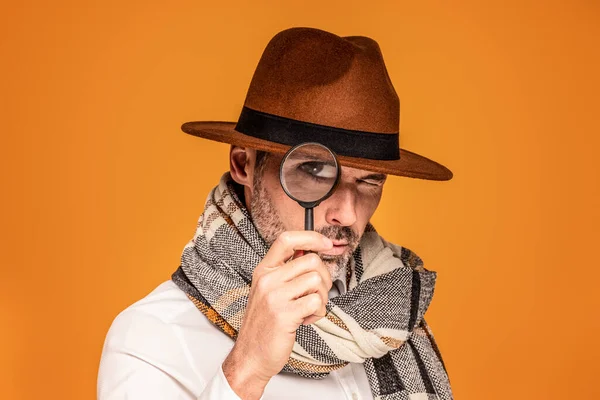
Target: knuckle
{"x":263,"y":282}
{"x":328,"y":280}
{"x":284,"y":238}
{"x":314,"y":278}
{"x":314,"y":259}
{"x":256,"y":273}
{"x":314,"y":302}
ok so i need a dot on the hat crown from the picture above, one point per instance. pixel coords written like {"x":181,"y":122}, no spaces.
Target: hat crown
{"x":314,"y":86}
{"x":314,"y":76}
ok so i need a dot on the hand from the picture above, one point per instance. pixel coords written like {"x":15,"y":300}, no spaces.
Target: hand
{"x":283,"y":295}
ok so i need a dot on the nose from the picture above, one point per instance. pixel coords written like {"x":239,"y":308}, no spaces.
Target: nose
{"x":341,"y":206}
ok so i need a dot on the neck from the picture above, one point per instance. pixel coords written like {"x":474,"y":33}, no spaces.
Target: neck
{"x":239,"y":190}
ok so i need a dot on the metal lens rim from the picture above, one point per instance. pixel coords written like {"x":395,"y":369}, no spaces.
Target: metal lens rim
{"x":337,"y":167}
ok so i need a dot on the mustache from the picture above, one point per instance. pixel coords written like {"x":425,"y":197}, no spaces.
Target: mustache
{"x":340,"y":233}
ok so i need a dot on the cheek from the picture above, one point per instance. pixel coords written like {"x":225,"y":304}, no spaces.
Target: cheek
{"x":291,"y":214}
{"x":367,"y":204}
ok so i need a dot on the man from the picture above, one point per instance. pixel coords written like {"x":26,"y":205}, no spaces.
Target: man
{"x":247,"y":314}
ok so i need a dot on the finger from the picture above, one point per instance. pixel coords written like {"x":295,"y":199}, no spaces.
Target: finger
{"x":288,"y":241}
{"x":311,"y":319}
{"x":309,"y":305}
{"x":302,"y":265}
{"x":309,"y":283}
{"x":297,"y":254}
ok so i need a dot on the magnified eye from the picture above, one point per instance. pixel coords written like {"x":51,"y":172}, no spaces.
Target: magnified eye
{"x":318,"y":169}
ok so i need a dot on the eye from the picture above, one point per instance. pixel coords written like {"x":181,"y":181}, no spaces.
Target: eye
{"x":372,"y":182}
{"x":318,"y":169}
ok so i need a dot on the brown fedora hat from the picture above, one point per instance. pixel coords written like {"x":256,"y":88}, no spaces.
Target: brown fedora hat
{"x":313,"y":86}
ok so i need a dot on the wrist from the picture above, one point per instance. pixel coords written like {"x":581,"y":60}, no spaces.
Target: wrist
{"x":243,"y":377}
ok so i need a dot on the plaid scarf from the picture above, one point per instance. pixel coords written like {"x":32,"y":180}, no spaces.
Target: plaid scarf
{"x":378,"y":321}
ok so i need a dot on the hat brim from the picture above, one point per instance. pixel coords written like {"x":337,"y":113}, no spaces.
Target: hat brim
{"x":410,"y":164}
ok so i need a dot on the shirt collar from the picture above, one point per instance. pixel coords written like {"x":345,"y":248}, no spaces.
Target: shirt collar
{"x":341,"y":284}
{"x":338,"y":288}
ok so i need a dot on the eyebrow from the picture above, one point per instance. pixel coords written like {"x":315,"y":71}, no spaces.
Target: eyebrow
{"x":308,"y":157}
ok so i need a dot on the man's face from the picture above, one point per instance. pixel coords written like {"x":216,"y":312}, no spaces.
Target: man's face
{"x":342,"y":217}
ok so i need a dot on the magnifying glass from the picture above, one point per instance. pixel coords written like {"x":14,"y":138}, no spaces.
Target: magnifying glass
{"x":309,"y":173}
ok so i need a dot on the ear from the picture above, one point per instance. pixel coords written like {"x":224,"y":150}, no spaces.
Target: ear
{"x":241,"y":164}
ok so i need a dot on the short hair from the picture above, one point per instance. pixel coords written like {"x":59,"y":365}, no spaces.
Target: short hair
{"x":261,"y":158}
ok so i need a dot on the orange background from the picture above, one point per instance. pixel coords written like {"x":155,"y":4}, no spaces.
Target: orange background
{"x":101,"y":190}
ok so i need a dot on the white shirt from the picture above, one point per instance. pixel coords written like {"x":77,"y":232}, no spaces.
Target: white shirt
{"x":163,"y":347}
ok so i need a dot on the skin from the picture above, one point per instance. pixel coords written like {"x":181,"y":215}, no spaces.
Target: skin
{"x":342,"y":217}
{"x":289,"y":289}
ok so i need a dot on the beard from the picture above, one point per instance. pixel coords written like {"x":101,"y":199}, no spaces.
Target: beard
{"x":268,"y":223}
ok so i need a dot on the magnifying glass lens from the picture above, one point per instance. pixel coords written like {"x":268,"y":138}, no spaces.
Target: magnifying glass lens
{"x":309,"y":172}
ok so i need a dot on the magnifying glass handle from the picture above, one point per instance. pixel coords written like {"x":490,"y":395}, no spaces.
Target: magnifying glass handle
{"x":308,"y":226}
{"x":309,"y":221}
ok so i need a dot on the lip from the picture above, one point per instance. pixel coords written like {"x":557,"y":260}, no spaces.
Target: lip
{"x":336,"y":250}
{"x":339,"y":243}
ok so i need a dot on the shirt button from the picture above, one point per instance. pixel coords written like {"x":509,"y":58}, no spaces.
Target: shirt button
{"x":354,"y":396}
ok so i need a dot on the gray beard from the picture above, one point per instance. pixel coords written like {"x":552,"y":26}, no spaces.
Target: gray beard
{"x":266,"y":220}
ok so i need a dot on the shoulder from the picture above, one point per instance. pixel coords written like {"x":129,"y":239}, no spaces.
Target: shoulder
{"x":148,"y":345}
{"x":166,"y":304}
{"x":153,"y":322}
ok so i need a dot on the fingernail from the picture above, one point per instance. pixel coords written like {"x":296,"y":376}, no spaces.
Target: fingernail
{"x":327,"y":242}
